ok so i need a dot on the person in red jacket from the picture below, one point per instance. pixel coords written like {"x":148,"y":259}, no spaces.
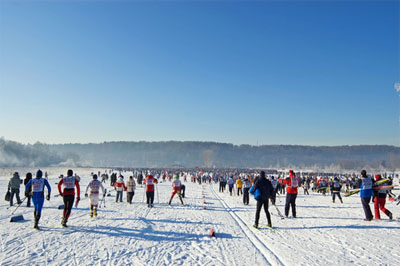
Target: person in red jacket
{"x":380,"y":200}
{"x":292,"y":183}
{"x":150,"y":181}
{"x":120,"y":188}
{"x":69,"y":183}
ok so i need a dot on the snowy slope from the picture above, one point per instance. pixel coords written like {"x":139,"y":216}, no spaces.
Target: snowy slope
{"x":123,"y":234}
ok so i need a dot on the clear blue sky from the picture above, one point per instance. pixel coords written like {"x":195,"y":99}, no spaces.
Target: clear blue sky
{"x":263,"y":72}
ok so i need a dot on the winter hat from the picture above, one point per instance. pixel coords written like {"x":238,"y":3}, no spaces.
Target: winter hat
{"x":39,"y":174}
{"x":363,"y":173}
{"x":16,"y":174}
{"x":70,"y":172}
{"x":29,"y":175}
{"x":176,"y":176}
{"x":378,"y":177}
{"x":291,"y":174}
{"x":94,"y":176}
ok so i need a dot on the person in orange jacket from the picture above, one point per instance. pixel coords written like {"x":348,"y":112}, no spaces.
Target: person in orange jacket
{"x":292,"y":183}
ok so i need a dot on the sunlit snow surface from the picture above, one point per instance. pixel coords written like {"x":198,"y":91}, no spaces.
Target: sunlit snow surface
{"x":324,"y":233}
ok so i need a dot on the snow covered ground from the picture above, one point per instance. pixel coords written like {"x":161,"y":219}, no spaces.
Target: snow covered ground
{"x":324,"y":233}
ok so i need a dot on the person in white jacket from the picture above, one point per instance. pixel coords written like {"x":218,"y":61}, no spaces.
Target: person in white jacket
{"x":94,"y":187}
{"x":130,"y":189}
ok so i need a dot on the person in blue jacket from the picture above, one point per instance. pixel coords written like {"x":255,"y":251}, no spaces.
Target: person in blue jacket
{"x":366,"y":194}
{"x":262,"y":191}
{"x":38,"y":184}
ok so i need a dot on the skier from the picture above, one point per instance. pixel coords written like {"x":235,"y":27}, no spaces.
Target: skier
{"x":239,"y":185}
{"x":140,"y":179}
{"x":183,"y":188}
{"x":307,"y":186}
{"x":230,"y":184}
{"x":264,"y":188}
{"x":176,"y":187}
{"x":28,"y":177}
{"x":130,"y":189}
{"x":150,"y":181}
{"x":366,"y":194}
{"x":13,"y":185}
{"x":322,"y":186}
{"x":36,"y":186}
{"x":120,"y":187}
{"x":221,"y":184}
{"x":380,"y":200}
{"x":69,"y":183}
{"x":292,"y":183}
{"x":246,"y":188}
{"x":335,"y":188}
{"x":94,"y":186}
{"x":274,"y":184}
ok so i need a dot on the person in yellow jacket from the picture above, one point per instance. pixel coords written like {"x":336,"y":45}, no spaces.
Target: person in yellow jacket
{"x":239,"y":186}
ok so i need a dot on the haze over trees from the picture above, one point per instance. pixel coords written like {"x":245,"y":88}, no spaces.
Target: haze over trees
{"x":201,"y":154}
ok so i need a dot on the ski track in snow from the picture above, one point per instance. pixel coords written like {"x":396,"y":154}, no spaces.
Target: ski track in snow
{"x":323,"y":234}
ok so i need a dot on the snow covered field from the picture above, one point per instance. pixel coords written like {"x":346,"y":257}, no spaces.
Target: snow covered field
{"x":324,"y":233}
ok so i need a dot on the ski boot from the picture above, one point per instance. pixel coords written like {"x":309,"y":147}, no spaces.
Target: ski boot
{"x":91,"y":215}
{"x":64,"y":222}
{"x":95,"y":212}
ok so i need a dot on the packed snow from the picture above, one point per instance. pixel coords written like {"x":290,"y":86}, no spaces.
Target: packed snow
{"x":324,"y":233}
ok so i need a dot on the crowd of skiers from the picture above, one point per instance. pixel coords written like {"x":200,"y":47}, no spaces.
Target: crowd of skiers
{"x":264,"y":189}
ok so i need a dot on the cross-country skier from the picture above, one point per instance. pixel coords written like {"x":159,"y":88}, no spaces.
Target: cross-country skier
{"x":150,"y":181}
{"x":231,"y":182}
{"x":246,"y":188}
{"x":183,"y":188}
{"x":176,"y":188}
{"x":264,"y":187}
{"x":130,"y":189}
{"x":120,"y":188}
{"x":69,"y":183}
{"x":37,"y":187}
{"x":274,"y":184}
{"x":94,"y":187}
{"x":292,"y":183}
{"x":380,"y":200}
{"x":366,"y":194}
{"x":13,"y":185}
{"x":239,"y":185}
{"x":28,"y":177}
{"x":335,"y":188}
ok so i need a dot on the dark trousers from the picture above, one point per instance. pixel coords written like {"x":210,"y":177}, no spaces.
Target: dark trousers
{"x":336,"y":194}
{"x":246,"y":196}
{"x":183,"y":188}
{"x":260,"y":203}
{"x":150,"y":197}
{"x":367,"y":209}
{"x":68,"y":203}
{"x":119,"y":196}
{"x":28,"y":203}
{"x":290,"y":202}
{"x":239,"y":191}
{"x":16,"y":192}
{"x":129,"y":196}
{"x":221,"y":187}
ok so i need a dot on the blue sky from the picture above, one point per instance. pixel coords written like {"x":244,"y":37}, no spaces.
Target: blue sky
{"x":263,"y":72}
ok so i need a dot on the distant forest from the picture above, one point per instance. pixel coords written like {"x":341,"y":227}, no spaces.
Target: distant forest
{"x":190,"y":154}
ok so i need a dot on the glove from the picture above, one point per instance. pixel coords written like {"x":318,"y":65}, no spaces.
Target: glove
{"x":86,"y":195}
{"x":27,"y":194}
{"x":31,"y":194}
{"x":61,"y":194}
{"x":104,"y":195}
{"x":48,"y":197}
{"x":78,"y":198}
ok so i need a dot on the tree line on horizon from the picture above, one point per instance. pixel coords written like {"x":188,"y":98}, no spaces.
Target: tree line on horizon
{"x":190,"y":154}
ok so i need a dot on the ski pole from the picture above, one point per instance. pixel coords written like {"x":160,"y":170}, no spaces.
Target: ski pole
{"x":18,"y":205}
{"x":143,"y":195}
{"x":158,"y":198}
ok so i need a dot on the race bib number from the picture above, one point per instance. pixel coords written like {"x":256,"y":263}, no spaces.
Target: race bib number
{"x":37,"y":185}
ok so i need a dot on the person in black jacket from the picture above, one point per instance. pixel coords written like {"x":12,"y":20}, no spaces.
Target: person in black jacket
{"x":266,"y":190}
{"x":28,"y":192}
